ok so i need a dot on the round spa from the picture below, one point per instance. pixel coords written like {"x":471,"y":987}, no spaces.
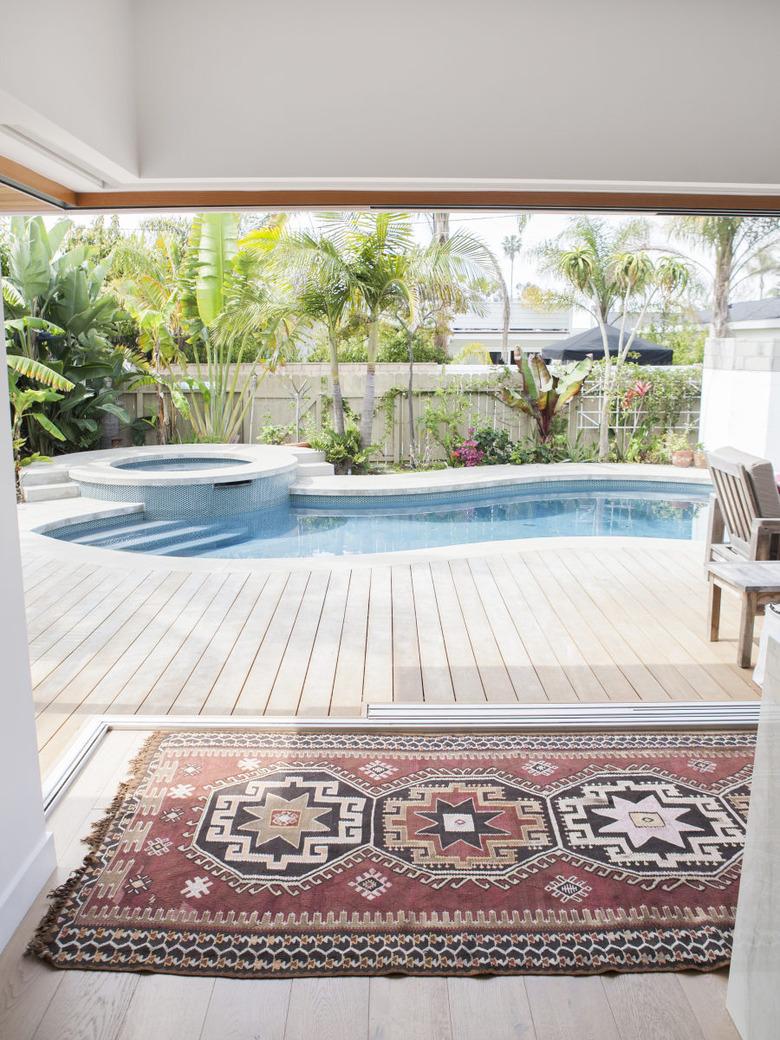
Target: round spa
{"x":182,"y":481}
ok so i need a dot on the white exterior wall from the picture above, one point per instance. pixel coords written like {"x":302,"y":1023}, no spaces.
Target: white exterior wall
{"x":529,"y":342}
{"x":26,"y":850}
{"x":740,"y":404}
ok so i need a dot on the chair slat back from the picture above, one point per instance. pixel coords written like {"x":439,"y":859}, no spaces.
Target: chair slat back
{"x":737,"y":499}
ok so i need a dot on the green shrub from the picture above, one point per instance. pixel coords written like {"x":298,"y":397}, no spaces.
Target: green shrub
{"x":270,"y":434}
{"x":344,"y":450}
{"x":495,"y":445}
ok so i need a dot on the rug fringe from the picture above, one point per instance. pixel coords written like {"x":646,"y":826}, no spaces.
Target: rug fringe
{"x":38,"y":945}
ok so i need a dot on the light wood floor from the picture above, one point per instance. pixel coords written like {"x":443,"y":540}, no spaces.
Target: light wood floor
{"x":578,"y":620}
{"x":39,"y":1003}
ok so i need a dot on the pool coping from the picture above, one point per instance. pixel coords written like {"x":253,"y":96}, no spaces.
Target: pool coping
{"x":450,"y":480}
{"x":252,"y":463}
{"x":36,"y":518}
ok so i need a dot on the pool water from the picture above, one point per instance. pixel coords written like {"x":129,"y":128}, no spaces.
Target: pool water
{"x":295,"y":529}
{"x":169,"y":465}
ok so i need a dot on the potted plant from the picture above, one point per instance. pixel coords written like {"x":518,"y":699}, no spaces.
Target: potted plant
{"x":700,"y":456}
{"x":678,"y":448}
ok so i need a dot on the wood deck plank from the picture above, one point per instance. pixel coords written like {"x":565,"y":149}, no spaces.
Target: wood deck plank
{"x":347,"y":696}
{"x":317,"y":688}
{"x":495,"y":678}
{"x":434,"y":666}
{"x":466,"y":680}
{"x":569,"y":623}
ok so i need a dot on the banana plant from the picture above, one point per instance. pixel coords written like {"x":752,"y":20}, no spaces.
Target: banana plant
{"x":25,"y":406}
{"x":542,"y":393}
{"x":59,"y":313}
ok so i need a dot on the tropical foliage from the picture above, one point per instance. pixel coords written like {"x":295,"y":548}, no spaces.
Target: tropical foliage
{"x":59,"y":314}
{"x":544,"y":393}
{"x":610,"y":273}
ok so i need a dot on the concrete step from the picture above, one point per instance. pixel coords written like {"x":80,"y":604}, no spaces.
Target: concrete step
{"x":315,"y":469}
{"x":42,"y":473}
{"x":51,"y":492}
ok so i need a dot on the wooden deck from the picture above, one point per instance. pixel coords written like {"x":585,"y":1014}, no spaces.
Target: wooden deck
{"x":38,"y":1003}
{"x":565,"y":621}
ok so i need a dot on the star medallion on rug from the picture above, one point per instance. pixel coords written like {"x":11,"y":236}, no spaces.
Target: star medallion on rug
{"x":263,"y":854}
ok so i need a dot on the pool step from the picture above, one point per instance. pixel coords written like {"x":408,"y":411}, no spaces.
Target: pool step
{"x":140,"y":527}
{"x":314,"y":469}
{"x":195,"y":546}
{"x":150,"y":540}
{"x":43,"y":473}
{"x":161,"y":537}
{"x":50,"y":492}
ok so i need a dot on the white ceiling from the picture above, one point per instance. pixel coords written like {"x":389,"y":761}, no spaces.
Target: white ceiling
{"x":416,"y":93}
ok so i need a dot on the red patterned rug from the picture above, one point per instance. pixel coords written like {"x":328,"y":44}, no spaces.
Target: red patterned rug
{"x":267,"y":854}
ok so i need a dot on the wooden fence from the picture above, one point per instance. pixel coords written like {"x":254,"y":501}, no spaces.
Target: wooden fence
{"x":298,"y":396}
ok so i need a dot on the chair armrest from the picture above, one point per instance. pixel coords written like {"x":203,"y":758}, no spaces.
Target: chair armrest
{"x":766,"y":524}
{"x":762,"y":530}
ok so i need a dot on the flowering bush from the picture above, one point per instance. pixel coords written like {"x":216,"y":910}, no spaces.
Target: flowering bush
{"x":636,"y":393}
{"x":468,"y":453}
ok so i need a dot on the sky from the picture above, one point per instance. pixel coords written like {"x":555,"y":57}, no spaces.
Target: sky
{"x":493,"y":227}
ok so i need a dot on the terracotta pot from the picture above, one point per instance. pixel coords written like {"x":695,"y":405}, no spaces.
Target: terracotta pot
{"x":682,"y":458}
{"x":700,"y":459}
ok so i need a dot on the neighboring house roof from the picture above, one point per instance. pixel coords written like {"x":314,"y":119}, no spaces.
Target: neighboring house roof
{"x":520,"y":320}
{"x":589,"y":342}
{"x":749,"y":310}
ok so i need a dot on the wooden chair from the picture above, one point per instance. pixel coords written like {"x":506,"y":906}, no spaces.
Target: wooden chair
{"x":744,"y":522}
{"x":745,"y":506}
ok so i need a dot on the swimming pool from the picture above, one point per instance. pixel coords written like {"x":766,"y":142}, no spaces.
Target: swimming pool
{"x":306,"y":525}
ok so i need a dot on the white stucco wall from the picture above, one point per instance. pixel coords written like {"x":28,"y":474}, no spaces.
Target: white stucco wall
{"x":26,"y":851}
{"x":741,"y":396}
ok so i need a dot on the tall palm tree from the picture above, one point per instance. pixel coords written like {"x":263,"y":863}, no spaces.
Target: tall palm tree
{"x":322,"y":281}
{"x":512,"y":246}
{"x":741,"y":248}
{"x":440,"y":223}
{"x":443,"y":277}
{"x":610,"y":275}
{"x":378,"y":246}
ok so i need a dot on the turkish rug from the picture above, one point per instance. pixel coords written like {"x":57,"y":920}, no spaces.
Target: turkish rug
{"x":270,"y":854}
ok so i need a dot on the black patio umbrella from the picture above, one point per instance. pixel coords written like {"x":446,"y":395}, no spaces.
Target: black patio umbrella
{"x":574,"y":348}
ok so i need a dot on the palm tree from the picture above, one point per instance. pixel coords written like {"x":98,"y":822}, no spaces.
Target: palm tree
{"x":322,"y":280}
{"x":440,"y":224}
{"x":443,"y":277}
{"x":741,"y":248}
{"x":378,"y":247}
{"x":512,"y":245}
{"x":611,"y":276}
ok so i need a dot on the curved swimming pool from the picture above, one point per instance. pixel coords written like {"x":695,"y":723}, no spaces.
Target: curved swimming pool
{"x":309,"y":525}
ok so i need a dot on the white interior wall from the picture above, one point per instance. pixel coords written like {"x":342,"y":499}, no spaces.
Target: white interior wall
{"x":26,"y":849}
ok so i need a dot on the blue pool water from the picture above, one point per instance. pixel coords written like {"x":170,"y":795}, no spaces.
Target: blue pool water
{"x":331,"y":528}
{"x":169,"y":465}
